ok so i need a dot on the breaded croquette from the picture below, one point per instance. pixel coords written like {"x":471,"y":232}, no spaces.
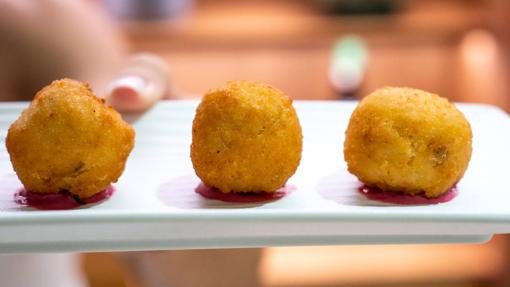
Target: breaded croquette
{"x":246,"y":138}
{"x":408,"y":140}
{"x":69,"y":140}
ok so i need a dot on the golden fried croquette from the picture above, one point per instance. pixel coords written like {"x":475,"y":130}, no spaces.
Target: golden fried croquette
{"x":408,"y":140}
{"x":69,"y":140}
{"x":246,"y":138}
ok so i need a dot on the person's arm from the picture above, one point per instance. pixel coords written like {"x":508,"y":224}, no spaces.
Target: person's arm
{"x":45,"y":40}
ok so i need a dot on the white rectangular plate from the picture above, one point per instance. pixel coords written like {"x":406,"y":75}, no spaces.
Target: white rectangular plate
{"x":155,"y":206}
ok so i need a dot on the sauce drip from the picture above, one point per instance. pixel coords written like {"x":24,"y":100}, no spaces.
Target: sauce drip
{"x":242,"y":197}
{"x":375,"y":193}
{"x":58,"y":201}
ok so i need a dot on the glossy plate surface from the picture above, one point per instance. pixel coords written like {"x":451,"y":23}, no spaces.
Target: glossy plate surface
{"x":155,"y":206}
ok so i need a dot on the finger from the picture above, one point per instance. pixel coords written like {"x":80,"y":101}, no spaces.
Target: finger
{"x":140,"y":84}
{"x":129,"y":94}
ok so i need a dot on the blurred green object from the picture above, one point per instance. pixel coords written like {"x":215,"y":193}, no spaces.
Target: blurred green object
{"x":348,"y":63}
{"x":359,"y":7}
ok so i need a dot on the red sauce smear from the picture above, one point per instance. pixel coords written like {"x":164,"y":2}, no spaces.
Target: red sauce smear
{"x":58,"y":201}
{"x":375,"y":193}
{"x":242,"y":197}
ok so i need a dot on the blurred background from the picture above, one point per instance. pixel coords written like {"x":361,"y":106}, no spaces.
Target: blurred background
{"x":316,"y":50}
{"x":456,"y":48}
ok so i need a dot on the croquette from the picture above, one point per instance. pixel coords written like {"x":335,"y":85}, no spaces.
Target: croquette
{"x":408,"y":140}
{"x":68,"y":140}
{"x":246,"y":137}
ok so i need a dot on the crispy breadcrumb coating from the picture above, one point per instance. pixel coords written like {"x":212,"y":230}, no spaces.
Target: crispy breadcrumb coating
{"x":69,"y":140}
{"x":246,"y":138}
{"x":408,"y":140}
